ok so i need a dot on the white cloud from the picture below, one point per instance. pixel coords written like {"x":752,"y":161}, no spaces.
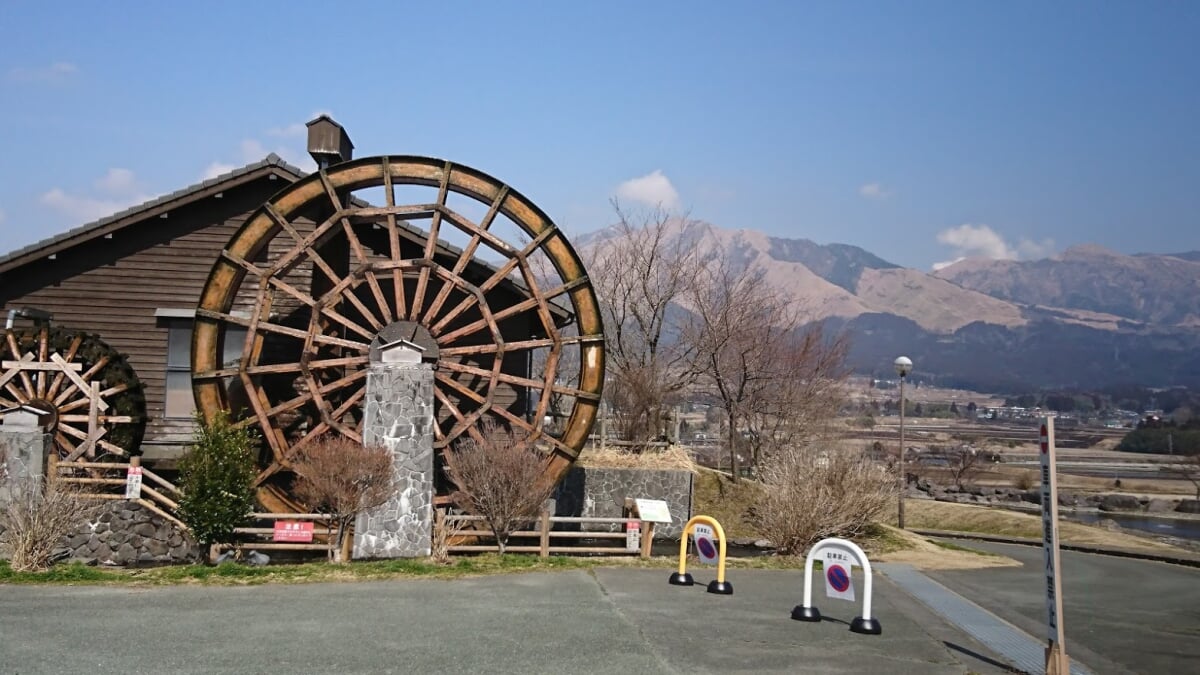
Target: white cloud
{"x":981,"y":241}
{"x":252,"y":150}
{"x":115,"y":191}
{"x":117,"y":181}
{"x":1035,"y":250}
{"x":874,"y":191}
{"x":51,"y":74}
{"x":216,"y":169}
{"x":653,"y":189}
{"x":293,"y":130}
{"x":81,"y":208}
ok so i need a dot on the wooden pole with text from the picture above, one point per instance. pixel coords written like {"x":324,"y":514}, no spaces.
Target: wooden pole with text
{"x":1057,"y":662}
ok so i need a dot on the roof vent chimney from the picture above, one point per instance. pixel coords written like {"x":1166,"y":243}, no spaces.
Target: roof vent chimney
{"x":328,"y":143}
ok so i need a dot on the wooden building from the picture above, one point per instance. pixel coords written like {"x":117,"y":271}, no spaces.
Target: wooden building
{"x":135,"y":279}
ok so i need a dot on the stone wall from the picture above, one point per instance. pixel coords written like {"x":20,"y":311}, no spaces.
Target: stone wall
{"x":601,"y":493}
{"x":126,"y":533}
{"x":399,"y":416}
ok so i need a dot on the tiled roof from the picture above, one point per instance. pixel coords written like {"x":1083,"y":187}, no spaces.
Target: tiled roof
{"x":271,"y":160}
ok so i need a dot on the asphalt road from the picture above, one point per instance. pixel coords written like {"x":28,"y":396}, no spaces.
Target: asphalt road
{"x":1121,"y":615}
{"x":610,"y":621}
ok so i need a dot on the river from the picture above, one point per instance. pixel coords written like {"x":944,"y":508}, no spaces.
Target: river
{"x":1181,"y":528}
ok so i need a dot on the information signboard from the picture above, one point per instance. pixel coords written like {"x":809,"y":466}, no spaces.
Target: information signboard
{"x":653,"y":510}
{"x":293,"y":531}
{"x":133,"y":483}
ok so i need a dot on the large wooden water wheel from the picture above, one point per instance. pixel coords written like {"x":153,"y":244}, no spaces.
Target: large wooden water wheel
{"x":87,"y":395}
{"x":335,"y":262}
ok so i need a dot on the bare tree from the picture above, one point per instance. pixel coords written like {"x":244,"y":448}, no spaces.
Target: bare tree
{"x":811,"y":495}
{"x":36,"y":515}
{"x":642,"y":269}
{"x":741,"y":328}
{"x":1189,"y":470}
{"x":343,"y":478}
{"x":498,"y":475}
{"x":797,"y":405}
{"x":963,"y":464}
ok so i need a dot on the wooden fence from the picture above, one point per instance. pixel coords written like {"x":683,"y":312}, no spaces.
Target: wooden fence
{"x":106,"y":480}
{"x":261,"y":535}
{"x":549,"y":540}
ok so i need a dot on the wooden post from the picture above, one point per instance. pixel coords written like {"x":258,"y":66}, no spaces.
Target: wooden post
{"x":544,"y":543}
{"x":52,"y":466}
{"x":1057,"y":662}
{"x":347,"y":542}
{"x":647,"y":539}
{"x":93,"y":431}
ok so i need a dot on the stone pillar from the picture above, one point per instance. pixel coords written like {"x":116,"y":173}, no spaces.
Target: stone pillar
{"x":399,"y":416}
{"x":23,"y":445}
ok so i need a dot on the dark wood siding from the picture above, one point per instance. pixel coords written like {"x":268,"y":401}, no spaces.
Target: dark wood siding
{"x":113,"y":287}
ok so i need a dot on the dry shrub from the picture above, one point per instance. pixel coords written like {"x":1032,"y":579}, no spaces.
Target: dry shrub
{"x":37,"y":516}
{"x":810,"y":495}
{"x":445,"y":530}
{"x":499,"y":478}
{"x":1026,"y":480}
{"x":341,"y":477}
{"x":671,"y":457}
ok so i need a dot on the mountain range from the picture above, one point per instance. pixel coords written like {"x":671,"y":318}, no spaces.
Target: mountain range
{"x":1087,"y":318}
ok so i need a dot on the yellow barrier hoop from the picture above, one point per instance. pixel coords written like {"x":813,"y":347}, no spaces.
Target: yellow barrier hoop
{"x":687,"y":533}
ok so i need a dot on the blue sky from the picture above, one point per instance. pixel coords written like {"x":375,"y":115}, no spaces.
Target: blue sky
{"x":919,"y":131}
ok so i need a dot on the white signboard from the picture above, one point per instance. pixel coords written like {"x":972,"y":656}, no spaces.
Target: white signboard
{"x":838,"y":582}
{"x":706,"y":545}
{"x":1054,"y":631}
{"x":633,"y":535}
{"x":133,"y":483}
{"x":653,"y":510}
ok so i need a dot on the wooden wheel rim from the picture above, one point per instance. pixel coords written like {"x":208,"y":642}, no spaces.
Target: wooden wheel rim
{"x":326,"y":190}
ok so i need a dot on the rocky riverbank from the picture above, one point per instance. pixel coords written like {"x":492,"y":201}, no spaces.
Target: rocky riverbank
{"x":1007,"y":496}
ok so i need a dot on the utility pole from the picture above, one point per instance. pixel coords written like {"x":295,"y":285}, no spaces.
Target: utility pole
{"x":903,"y":366}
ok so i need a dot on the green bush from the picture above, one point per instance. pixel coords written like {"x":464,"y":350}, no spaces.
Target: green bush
{"x":216,"y":477}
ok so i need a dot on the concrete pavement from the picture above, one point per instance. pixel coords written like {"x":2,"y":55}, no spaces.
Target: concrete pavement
{"x":606,"y":621}
{"x":1121,"y":615}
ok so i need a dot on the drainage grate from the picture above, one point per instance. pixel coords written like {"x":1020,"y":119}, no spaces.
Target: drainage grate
{"x":1024,"y":652}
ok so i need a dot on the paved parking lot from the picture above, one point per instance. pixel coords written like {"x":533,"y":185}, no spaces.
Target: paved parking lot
{"x":607,"y":621}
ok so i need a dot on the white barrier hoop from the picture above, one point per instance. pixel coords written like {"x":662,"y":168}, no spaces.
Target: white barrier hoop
{"x":807,"y":612}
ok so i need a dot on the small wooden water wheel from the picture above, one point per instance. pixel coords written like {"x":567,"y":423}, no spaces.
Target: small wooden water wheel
{"x":334,"y":264}
{"x":85,"y":392}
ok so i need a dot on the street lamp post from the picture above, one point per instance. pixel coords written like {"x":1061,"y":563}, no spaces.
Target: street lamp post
{"x":903,"y":367}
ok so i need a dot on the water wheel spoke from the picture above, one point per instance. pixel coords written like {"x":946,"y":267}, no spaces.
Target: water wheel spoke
{"x":468,"y":302}
{"x":488,"y":321}
{"x":43,"y":355}
{"x":25,"y":379}
{"x":543,"y":308}
{"x":393,"y":230}
{"x":475,"y":298}
{"x":78,"y":384}
{"x":333,"y":314}
{"x":15,"y":370}
{"x":266,"y":326}
{"x":431,"y":243}
{"x":343,"y":382}
{"x":259,"y":404}
{"x":465,"y":422}
{"x":72,"y":350}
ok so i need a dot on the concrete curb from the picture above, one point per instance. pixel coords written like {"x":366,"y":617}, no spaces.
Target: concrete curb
{"x":1185,"y":559}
